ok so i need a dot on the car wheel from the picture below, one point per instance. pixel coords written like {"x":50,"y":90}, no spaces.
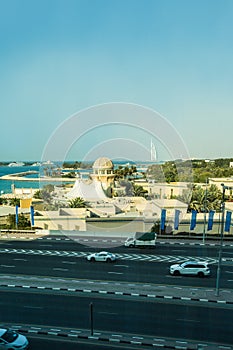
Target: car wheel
{"x":92,"y":259}
{"x":200,"y":274}
{"x":176,"y":273}
{"x":108,"y":260}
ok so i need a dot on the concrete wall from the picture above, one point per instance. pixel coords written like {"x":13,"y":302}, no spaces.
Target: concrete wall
{"x":119,"y":225}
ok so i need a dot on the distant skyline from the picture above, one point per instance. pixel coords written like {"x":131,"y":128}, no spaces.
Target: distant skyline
{"x":59,"y":57}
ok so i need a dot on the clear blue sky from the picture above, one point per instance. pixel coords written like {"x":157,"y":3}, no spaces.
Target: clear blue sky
{"x":59,"y":57}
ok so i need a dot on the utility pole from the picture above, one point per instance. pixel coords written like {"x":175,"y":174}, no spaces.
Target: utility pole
{"x":224,"y":188}
{"x":91,"y":317}
{"x":205,"y":199}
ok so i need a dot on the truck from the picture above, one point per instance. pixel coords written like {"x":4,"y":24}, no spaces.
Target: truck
{"x":141,"y":240}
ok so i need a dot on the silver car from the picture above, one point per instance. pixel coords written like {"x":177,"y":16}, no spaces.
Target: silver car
{"x":11,"y":340}
{"x":101,"y":256}
{"x":197,"y":268}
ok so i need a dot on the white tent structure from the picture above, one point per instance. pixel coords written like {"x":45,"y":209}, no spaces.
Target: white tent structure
{"x":88,"y":190}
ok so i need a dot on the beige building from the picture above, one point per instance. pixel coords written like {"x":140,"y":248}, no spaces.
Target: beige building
{"x":163,"y":190}
{"x":125,"y":214}
{"x":227,"y":181}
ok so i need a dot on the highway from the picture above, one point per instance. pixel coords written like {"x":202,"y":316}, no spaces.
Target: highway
{"x":131,"y":271}
{"x":131,"y":265}
{"x":120,"y":315}
{"x":65,"y":259}
{"x":116,"y":247}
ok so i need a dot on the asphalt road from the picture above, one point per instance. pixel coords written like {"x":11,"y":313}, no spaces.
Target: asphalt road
{"x":48,"y":343}
{"x":177,"y":320}
{"x":97,"y":245}
{"x":181,"y":320}
{"x":121,"y":270}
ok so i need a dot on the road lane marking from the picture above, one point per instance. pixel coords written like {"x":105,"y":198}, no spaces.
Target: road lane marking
{"x":20,"y":259}
{"x":137,"y":337}
{"x":69,"y":262}
{"x":116,"y":273}
{"x":178,"y":250}
{"x":32,"y":307}
{"x":59,"y":269}
{"x":187,"y":320}
{"x":7,"y":265}
{"x":116,"y":335}
{"x":121,"y":265}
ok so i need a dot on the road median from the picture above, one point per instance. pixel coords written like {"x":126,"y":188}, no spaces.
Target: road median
{"x":150,"y":291}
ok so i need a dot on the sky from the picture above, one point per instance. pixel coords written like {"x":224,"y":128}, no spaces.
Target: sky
{"x":60,"y":58}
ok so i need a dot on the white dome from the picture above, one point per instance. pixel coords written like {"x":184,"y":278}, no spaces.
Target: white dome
{"x":103,"y":163}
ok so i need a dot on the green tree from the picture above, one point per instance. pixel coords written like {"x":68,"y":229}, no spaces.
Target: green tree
{"x":45,"y":193}
{"x":70,"y":175}
{"x":139,"y":191}
{"x":77,"y":202}
{"x":14,"y":201}
{"x":23,"y":222}
{"x":170,"y":172}
{"x":155,"y":171}
{"x":125,"y":172}
{"x":157,"y":229}
{"x":205,"y":199}
{"x":3,"y":201}
{"x":37,"y":195}
{"x":109,"y":192}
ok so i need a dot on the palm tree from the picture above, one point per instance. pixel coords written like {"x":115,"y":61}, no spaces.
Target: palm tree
{"x":204,"y":200}
{"x":139,"y":191}
{"x":14,"y":201}
{"x":77,"y":202}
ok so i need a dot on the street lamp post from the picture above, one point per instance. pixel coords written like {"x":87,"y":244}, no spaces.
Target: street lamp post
{"x":224,"y":188}
{"x":205,"y":200}
{"x":91,"y":317}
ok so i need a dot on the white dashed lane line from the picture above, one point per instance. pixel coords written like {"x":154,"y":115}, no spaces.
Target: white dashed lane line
{"x":33,"y":307}
{"x":19,"y":259}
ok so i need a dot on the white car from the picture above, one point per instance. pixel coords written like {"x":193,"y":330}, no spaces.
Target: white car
{"x":101,"y":256}
{"x":197,"y":268}
{"x":9,"y":339}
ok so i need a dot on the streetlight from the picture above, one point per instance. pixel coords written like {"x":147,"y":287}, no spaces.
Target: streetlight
{"x":204,"y":230}
{"x":224,"y":188}
{"x":91,"y":317}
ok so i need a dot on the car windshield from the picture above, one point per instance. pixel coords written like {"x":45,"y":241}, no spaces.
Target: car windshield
{"x":9,"y":336}
{"x":183,"y":264}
